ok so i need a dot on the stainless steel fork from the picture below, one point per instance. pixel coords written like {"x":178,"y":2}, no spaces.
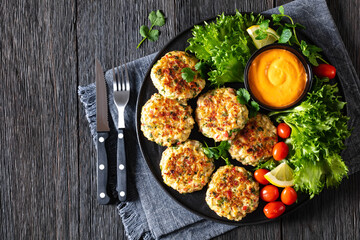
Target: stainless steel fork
{"x":121,"y":87}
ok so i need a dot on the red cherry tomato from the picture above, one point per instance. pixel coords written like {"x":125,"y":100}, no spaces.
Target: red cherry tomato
{"x":280,"y":151}
{"x":283,"y":130}
{"x":274,"y":209}
{"x":269,"y":193}
{"x":259,"y":176}
{"x":325,"y":70}
{"x":288,"y":196}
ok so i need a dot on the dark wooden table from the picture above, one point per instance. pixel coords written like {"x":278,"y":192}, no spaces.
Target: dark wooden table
{"x":47,"y":168}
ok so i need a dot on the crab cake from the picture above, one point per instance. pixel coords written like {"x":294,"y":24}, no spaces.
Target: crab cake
{"x":232,"y":192}
{"x":185,"y":167}
{"x":255,"y":142}
{"x":166,"y":121}
{"x":219,"y":114}
{"x":166,"y":76}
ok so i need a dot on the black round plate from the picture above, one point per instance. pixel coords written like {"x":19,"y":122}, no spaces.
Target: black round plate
{"x":194,"y":202}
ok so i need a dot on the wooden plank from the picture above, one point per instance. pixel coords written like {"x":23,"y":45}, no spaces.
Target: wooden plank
{"x":190,"y":12}
{"x":39,"y":166}
{"x":111,"y":32}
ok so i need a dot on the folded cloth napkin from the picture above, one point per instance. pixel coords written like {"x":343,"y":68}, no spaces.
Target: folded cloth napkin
{"x":152,"y":214}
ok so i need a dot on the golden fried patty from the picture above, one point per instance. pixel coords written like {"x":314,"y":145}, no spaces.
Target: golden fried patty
{"x":166,"y":121}
{"x":219,"y":114}
{"x":255,"y":142}
{"x":185,"y":167}
{"x":166,"y":76}
{"x":232,"y":192}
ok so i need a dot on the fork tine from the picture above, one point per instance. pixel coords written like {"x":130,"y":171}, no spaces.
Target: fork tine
{"x":119,"y":79}
{"x":127,"y":82}
{"x":114,"y":80}
{"x":122,"y":81}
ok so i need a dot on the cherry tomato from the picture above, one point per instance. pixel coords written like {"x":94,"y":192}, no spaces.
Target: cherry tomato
{"x":325,"y":70}
{"x":280,"y":151}
{"x":283,"y":130}
{"x":259,"y":176}
{"x":274,"y":209}
{"x":288,"y":196}
{"x":269,"y":193}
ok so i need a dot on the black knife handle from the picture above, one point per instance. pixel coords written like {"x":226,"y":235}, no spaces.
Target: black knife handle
{"x":102,"y":168}
{"x":121,"y":166}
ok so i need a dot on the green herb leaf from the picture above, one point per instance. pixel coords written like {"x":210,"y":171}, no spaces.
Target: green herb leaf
{"x":201,"y":67}
{"x":276,"y":18}
{"x":285,"y":35}
{"x":253,"y":110}
{"x":243,"y":96}
{"x":153,"y":35}
{"x":157,"y":18}
{"x":144,"y":31}
{"x":264,"y":25}
{"x":281,"y":10}
{"x":220,"y":151}
{"x":188,"y":74}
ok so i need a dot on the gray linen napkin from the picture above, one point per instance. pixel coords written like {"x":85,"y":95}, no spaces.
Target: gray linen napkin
{"x":150,"y":213}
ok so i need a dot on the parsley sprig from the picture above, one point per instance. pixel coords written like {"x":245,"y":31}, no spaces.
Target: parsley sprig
{"x":188,"y":74}
{"x":220,"y":151}
{"x":157,"y":19}
{"x":243,"y":97}
{"x":287,"y":33}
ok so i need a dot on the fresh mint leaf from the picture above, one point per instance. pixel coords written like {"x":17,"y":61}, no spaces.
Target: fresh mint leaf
{"x":188,"y":74}
{"x":260,"y":35}
{"x":264,"y":25}
{"x":153,"y":35}
{"x":285,"y":35}
{"x":144,"y":31}
{"x":157,"y":19}
{"x":281,"y":10}
{"x":276,"y":18}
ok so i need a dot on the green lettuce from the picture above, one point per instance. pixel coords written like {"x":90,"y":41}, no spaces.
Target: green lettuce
{"x":225,"y":46}
{"x":318,"y":131}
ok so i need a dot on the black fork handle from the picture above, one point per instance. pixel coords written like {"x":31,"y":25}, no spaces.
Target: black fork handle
{"x":121,"y":186}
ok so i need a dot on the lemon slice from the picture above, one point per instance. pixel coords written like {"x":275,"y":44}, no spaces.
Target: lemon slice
{"x":271,"y":38}
{"x":281,"y":176}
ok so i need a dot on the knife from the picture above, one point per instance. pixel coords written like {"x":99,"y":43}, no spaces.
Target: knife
{"x":103,"y":130}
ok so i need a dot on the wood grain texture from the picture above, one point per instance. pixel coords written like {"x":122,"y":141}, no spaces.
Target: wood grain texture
{"x":47,"y":162}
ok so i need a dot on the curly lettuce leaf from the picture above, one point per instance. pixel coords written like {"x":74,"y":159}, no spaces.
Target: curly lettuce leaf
{"x":225,"y":46}
{"x":318,"y":132}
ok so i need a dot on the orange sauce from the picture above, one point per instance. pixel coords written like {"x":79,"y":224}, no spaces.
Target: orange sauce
{"x":277,"y":78}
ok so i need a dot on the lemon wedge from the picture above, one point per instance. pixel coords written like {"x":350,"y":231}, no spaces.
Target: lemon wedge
{"x":281,"y":176}
{"x":271,"y":38}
